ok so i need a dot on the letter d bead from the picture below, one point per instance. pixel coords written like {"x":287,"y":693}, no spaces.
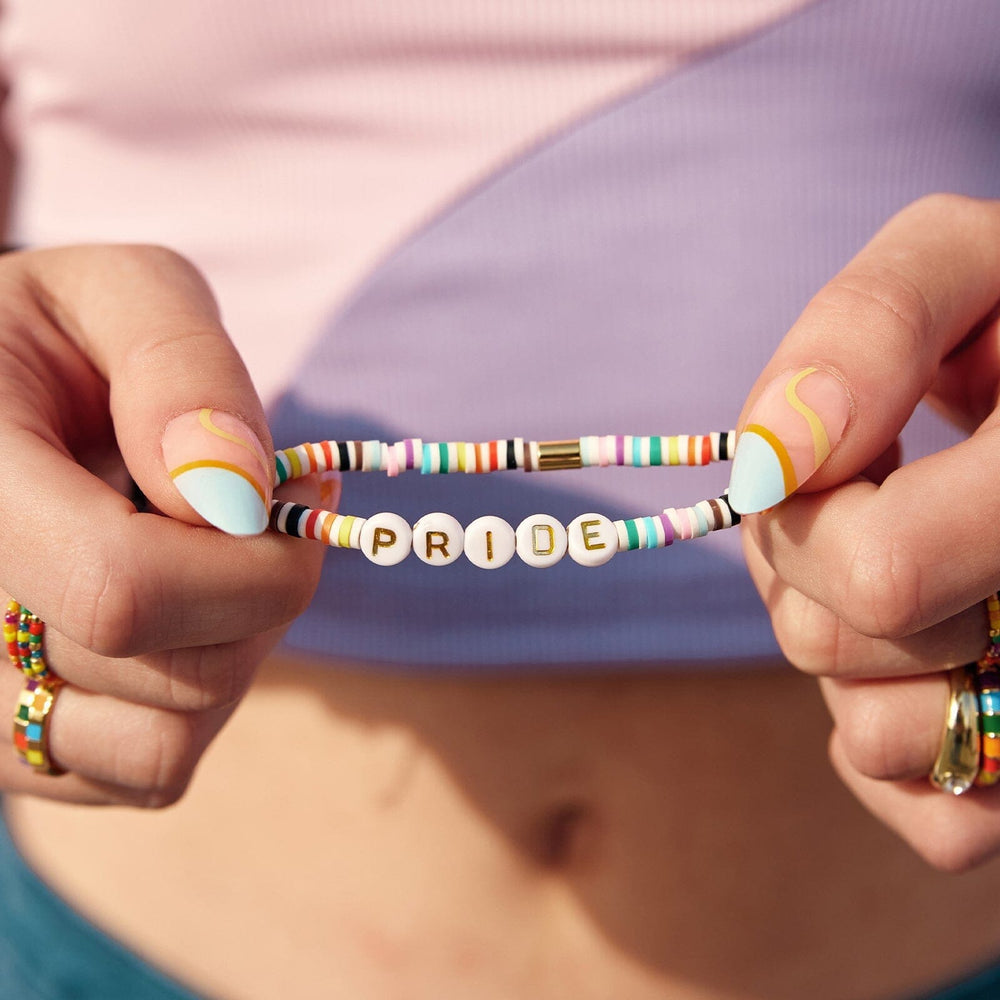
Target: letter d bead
{"x":541,"y":540}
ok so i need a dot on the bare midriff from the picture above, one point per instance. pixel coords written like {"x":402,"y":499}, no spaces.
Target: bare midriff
{"x":640,"y":835}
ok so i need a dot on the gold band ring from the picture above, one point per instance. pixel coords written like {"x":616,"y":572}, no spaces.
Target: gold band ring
{"x":31,"y":734}
{"x":957,"y":765}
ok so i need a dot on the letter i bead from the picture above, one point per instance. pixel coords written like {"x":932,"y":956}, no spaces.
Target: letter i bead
{"x":489,"y":542}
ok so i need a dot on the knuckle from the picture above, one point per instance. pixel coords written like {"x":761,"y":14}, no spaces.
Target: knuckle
{"x":159,"y":766}
{"x":870,"y":732}
{"x":100,"y":607}
{"x":206,"y":678}
{"x":881,"y":595}
{"x":808,"y":635}
{"x":885,"y":300}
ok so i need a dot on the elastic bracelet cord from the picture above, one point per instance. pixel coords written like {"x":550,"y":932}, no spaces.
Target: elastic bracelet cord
{"x":23,"y":634}
{"x":489,"y":542}
{"x":988,"y":687}
{"x":440,"y":457}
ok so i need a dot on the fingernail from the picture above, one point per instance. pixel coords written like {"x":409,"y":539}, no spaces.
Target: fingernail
{"x":791,"y":430}
{"x":218,"y":466}
{"x":329,"y":488}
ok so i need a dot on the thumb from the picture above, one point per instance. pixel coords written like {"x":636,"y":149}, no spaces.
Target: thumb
{"x":866,"y":350}
{"x":188,"y":422}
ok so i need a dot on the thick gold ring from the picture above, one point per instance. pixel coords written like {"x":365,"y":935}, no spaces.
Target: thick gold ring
{"x":957,"y":765}
{"x":31,"y":734}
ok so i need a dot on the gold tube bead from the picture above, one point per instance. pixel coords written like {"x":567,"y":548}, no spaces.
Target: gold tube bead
{"x":559,"y":455}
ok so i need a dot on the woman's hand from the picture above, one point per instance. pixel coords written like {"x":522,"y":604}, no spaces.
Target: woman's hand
{"x":875,"y":574}
{"x":113,"y":361}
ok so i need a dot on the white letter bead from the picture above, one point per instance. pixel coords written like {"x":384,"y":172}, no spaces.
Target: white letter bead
{"x":489,"y":542}
{"x":386,"y":539}
{"x":541,"y":540}
{"x":438,"y":539}
{"x":593,"y":539}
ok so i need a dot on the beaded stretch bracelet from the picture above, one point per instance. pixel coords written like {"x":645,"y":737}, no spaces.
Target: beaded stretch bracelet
{"x":988,"y":685}
{"x":496,"y":456}
{"x":23,"y":633}
{"x":490,"y":542}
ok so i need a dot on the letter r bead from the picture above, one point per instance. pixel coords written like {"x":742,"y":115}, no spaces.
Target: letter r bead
{"x":438,"y":539}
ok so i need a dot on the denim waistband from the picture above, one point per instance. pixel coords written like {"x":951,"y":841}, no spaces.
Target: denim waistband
{"x":48,"y":951}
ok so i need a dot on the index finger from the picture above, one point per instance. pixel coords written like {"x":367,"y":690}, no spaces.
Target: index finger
{"x":865,"y":351}
{"x":895,"y":558}
{"x":122,"y":583}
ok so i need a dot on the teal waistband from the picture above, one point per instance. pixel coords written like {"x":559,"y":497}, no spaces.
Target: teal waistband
{"x":49,"y":951}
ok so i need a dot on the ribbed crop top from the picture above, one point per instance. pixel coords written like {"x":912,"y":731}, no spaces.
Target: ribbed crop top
{"x":561,"y":220}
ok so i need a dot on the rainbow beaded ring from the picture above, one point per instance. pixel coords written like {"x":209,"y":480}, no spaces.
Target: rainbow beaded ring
{"x":970,"y":747}
{"x":988,"y":686}
{"x":31,"y":736}
{"x":489,"y":542}
{"x":23,"y":633}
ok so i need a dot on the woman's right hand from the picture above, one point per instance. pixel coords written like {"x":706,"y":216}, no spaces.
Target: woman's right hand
{"x":155,"y":623}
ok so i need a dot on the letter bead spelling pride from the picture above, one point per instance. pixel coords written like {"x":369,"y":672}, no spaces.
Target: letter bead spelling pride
{"x":489,"y":542}
{"x":386,"y":539}
{"x":593,"y":539}
{"x":438,"y":539}
{"x":541,"y":540}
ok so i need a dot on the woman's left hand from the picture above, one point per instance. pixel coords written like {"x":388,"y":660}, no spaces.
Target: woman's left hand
{"x":874,"y":574}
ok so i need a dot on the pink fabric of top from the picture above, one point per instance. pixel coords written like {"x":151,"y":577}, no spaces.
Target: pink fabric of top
{"x":286,"y":152}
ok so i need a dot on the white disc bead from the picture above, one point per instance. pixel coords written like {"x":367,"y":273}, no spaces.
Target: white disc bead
{"x":386,"y":539}
{"x":489,"y":542}
{"x":593,"y":539}
{"x":541,"y":540}
{"x":438,"y":539}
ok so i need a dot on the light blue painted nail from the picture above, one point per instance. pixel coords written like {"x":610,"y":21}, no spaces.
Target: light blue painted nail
{"x":757,"y":481}
{"x":225,"y":499}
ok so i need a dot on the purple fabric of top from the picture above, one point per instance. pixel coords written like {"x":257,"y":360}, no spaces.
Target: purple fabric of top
{"x":633,"y":275}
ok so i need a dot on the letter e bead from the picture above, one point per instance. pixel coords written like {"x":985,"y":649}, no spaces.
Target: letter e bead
{"x":593,"y":539}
